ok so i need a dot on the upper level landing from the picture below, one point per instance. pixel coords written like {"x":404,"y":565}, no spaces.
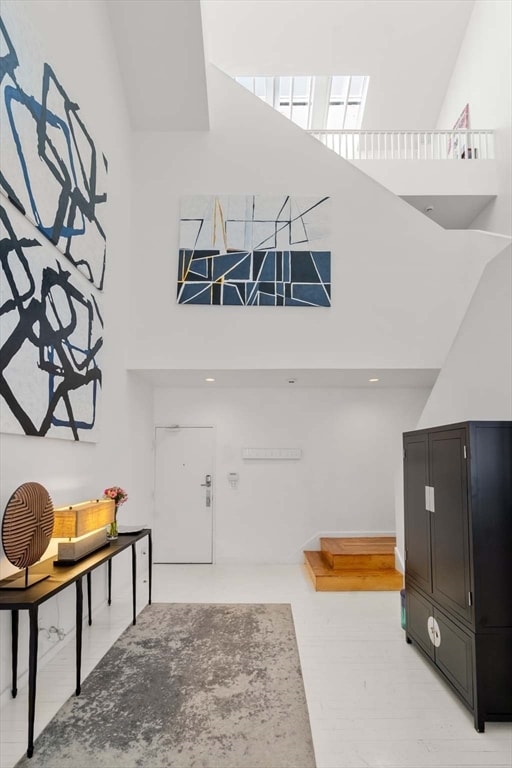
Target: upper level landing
{"x":450,"y":176}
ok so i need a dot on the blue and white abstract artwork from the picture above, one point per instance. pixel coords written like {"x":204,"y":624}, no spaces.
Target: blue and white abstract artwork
{"x":51,"y":168}
{"x":51,"y":338}
{"x":255,"y":250}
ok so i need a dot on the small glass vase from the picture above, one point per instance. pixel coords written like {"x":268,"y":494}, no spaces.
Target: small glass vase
{"x":112,"y":530}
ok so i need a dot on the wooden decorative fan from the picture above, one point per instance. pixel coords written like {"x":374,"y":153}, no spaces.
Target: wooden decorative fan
{"x":27,"y":527}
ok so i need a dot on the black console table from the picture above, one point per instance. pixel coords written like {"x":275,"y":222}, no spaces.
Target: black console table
{"x":60,"y":577}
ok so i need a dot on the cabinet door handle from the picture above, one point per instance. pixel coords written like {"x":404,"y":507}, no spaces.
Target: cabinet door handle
{"x":437,"y":634}
{"x":429,"y":499}
{"x":434,"y":632}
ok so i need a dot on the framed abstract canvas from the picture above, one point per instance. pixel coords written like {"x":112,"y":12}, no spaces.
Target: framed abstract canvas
{"x":254,"y":250}
{"x":51,"y":338}
{"x":52,"y":169}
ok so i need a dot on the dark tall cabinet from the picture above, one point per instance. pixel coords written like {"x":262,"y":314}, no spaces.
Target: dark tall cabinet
{"x":458,"y":559}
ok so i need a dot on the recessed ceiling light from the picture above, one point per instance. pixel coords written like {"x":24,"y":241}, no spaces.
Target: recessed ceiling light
{"x":209,"y":379}
{"x":373,"y":379}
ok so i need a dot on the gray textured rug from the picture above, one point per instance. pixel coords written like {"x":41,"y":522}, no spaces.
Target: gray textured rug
{"x":190,"y":686}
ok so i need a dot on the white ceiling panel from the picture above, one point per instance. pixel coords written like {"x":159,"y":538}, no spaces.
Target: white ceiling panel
{"x":338,"y":378}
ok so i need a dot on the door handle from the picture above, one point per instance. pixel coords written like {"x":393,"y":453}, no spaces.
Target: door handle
{"x":207,"y":484}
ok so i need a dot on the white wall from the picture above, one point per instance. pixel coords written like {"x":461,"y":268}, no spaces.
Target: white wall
{"x":475,"y":382}
{"x":482,"y":78}
{"x":168,"y":37}
{"x":62,"y":33}
{"x":351,"y":442}
{"x":401,"y":284}
{"x":432,"y":177}
{"x":476,"y":379}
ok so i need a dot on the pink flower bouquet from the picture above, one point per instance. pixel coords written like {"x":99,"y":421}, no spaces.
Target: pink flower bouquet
{"x":116,"y":493}
{"x":118,"y":496}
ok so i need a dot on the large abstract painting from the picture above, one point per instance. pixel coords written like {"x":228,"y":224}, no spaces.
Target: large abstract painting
{"x":254,"y":250}
{"x":51,"y":169}
{"x":51,"y":337}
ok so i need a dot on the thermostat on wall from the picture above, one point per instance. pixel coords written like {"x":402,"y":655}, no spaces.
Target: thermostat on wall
{"x":272,"y":453}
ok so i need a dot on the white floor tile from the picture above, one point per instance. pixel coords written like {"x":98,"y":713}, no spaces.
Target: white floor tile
{"x":373,"y":701}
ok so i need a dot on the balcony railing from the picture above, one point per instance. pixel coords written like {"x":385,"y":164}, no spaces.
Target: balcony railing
{"x":409,"y":145}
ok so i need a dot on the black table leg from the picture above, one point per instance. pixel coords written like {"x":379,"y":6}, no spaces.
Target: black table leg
{"x":109,"y":566}
{"x":89,"y":610}
{"x":79,"y":612}
{"x":32,"y":675}
{"x":150,"y":565}
{"x":134,"y":583}
{"x":15,"y":622}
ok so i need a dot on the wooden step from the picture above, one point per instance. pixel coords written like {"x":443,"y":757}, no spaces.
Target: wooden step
{"x":327,"y":579}
{"x":370,"y":552}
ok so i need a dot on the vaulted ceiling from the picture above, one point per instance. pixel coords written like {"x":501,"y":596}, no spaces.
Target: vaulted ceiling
{"x":408,"y":47}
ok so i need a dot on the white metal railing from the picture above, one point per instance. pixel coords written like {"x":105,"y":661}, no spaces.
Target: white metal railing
{"x":409,"y":145}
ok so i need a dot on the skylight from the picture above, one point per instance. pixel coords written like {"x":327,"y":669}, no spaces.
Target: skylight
{"x":333,"y":102}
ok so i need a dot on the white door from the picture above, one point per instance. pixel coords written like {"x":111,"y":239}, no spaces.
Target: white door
{"x":183,"y":531}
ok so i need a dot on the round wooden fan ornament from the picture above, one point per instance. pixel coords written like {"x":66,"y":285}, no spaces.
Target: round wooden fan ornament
{"x":27,"y":525}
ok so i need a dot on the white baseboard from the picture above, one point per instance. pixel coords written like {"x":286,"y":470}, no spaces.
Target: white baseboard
{"x":399,"y":563}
